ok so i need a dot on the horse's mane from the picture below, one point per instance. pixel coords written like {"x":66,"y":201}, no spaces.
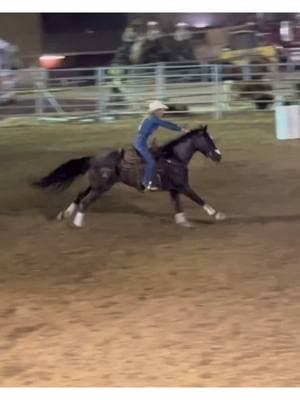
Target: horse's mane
{"x":169,"y":146}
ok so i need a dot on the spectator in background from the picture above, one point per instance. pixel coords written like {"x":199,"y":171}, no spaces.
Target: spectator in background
{"x":155,"y":48}
{"x":153,"y":30}
{"x":131,"y":34}
{"x":123,"y":54}
{"x":183,"y":48}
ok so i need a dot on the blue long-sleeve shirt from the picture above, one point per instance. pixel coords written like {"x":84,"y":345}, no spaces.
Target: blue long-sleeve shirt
{"x":149,"y":125}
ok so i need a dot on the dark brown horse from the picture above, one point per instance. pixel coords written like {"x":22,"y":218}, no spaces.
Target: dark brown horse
{"x":105,"y":170}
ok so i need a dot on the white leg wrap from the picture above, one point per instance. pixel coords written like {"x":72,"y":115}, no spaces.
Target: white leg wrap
{"x":210,"y":211}
{"x":78,"y":220}
{"x":220,"y":216}
{"x":180,"y":219}
{"x":70,"y":210}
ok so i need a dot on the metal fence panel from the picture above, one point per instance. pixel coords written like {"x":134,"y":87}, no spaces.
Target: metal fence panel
{"x":102,"y":92}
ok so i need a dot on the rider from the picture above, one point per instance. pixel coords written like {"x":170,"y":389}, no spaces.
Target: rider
{"x":149,"y":124}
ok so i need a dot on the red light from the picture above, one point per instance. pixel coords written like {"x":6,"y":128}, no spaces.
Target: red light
{"x":51,"y":61}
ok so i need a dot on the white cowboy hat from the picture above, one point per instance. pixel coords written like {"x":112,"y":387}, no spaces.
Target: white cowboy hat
{"x":157,"y":105}
{"x":181,"y":24}
{"x":152,"y":23}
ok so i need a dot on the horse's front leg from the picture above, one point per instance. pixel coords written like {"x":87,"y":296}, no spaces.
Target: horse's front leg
{"x":180,"y":217}
{"x":68,"y":212}
{"x":189,"y":192}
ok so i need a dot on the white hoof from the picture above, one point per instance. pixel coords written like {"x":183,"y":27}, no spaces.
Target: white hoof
{"x":181,"y":220}
{"x":186,"y":224}
{"x":209,"y":210}
{"x":78,"y":220}
{"x":67,"y":213}
{"x":70,"y":210}
{"x":60,"y":216}
{"x":220,"y":216}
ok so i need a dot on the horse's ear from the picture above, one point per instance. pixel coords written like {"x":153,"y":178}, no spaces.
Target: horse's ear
{"x":205,"y":128}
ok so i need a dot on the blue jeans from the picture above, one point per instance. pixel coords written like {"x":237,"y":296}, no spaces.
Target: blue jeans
{"x":150,"y":162}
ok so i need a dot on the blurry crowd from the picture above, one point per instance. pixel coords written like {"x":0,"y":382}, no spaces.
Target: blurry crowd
{"x":144,"y":43}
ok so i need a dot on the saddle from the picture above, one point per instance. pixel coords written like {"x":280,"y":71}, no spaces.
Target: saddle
{"x":133,"y":165}
{"x":132,"y":156}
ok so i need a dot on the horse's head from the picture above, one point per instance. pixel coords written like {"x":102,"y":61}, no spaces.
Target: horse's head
{"x":204,"y":143}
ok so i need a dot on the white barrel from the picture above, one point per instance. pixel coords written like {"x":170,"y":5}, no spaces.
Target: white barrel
{"x":287,"y":120}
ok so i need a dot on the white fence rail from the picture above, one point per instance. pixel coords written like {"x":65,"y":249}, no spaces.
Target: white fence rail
{"x":110,"y":92}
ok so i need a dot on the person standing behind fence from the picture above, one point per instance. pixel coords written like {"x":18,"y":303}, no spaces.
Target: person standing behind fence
{"x":155,"y":48}
{"x":123,"y":55}
{"x":183,"y":47}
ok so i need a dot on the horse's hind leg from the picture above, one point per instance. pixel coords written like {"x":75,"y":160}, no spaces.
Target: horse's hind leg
{"x":71,"y":209}
{"x":90,"y":197}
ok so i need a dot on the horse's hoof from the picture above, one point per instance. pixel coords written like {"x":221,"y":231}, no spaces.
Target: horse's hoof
{"x":77,"y":226}
{"x":78,"y":220}
{"x":181,"y":220}
{"x":187,"y":224}
{"x":220,"y":216}
{"x":60,"y":216}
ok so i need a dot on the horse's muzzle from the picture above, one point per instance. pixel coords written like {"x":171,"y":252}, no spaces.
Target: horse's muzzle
{"x":215,"y":155}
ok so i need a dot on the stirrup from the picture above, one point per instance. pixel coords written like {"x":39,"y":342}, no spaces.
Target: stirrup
{"x":151,"y":188}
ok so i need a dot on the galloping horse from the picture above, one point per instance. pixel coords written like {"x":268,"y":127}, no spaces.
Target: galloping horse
{"x":126,"y":166}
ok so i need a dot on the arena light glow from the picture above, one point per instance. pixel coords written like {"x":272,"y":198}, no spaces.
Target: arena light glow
{"x":51,"y":60}
{"x":199,"y":20}
{"x":200,"y":25}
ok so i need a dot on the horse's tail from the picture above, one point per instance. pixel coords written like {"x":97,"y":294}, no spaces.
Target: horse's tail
{"x":64,"y":175}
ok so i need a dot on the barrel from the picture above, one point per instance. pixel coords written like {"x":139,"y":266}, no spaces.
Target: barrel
{"x":287,"y":119}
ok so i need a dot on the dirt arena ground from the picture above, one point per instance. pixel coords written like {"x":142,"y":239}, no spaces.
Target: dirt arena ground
{"x":132,"y":299}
